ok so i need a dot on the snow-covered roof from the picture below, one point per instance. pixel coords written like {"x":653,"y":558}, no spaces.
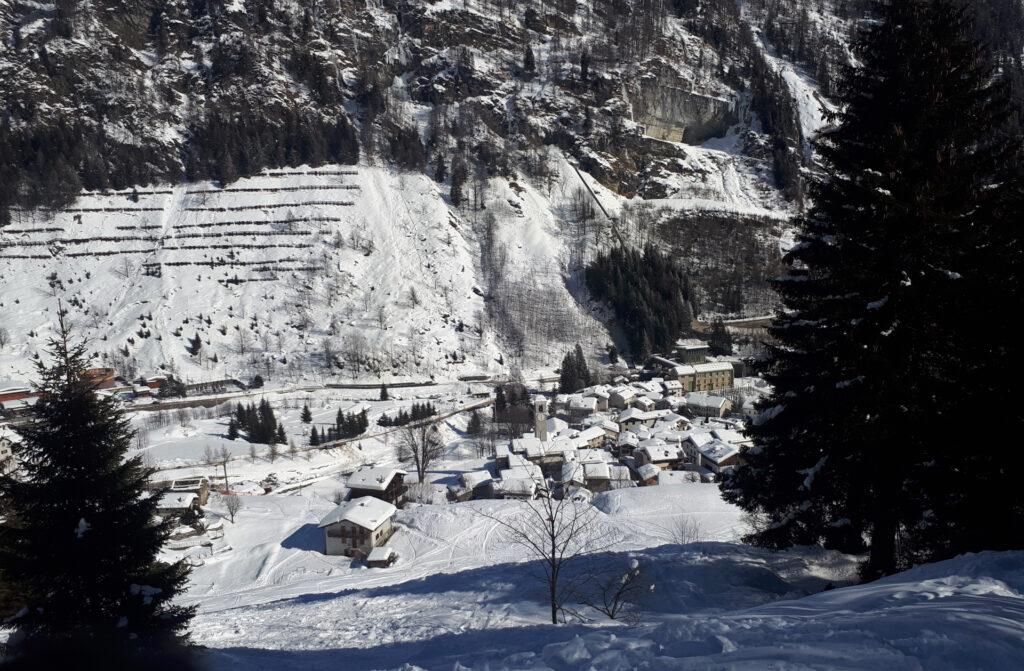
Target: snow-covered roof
{"x":677,"y":477}
{"x":528,"y":471}
{"x":20,"y":403}
{"x":10,"y":434}
{"x":176,"y":501}
{"x":698,"y":438}
{"x":717,"y":367}
{"x":619,"y":472}
{"x":698,"y":400}
{"x":592,"y":433}
{"x":623,"y":392}
{"x":691,"y":343}
{"x":631,"y":414}
{"x":648,"y":471}
{"x":717,"y":450}
{"x":730,"y":436}
{"x":658,"y":453}
{"x":628,"y":438}
{"x":573,"y":472}
{"x":374,"y":479}
{"x":366,"y":511}
{"x":583,"y":403}
{"x":521,"y":486}
{"x":474,"y":479}
{"x":380,"y":554}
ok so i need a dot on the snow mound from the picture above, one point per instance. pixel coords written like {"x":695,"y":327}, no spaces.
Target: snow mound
{"x":958,"y":614}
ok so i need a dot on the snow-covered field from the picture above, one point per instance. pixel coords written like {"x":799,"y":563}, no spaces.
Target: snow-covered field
{"x":460,"y":595}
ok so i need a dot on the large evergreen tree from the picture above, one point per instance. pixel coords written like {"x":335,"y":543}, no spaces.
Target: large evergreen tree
{"x":882,"y":349}
{"x":80,"y":539}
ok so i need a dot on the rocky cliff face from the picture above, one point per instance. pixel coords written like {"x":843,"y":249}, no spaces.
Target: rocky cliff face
{"x":688,"y":122}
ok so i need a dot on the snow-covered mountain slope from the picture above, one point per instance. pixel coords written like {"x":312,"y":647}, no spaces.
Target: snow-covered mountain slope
{"x":371,"y":269}
{"x":338,"y":272}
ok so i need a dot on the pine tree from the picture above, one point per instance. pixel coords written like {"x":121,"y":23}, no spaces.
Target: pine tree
{"x":279,"y":437}
{"x":568,"y":376}
{"x":384,"y":393}
{"x":529,"y":62}
{"x":500,"y":402}
{"x":232,"y":429}
{"x":719,"y":339}
{"x":314,"y":437}
{"x":906,"y":247}
{"x":306,"y":416}
{"x":195,"y":345}
{"x":80,"y":538}
{"x":475,"y":425}
{"x":582,"y":370}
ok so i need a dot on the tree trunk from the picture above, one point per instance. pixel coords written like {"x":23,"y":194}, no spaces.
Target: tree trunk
{"x":882,"y":558}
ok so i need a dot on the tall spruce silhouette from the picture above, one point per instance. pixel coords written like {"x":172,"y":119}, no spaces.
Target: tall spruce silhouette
{"x":883,"y":348}
{"x":80,"y":540}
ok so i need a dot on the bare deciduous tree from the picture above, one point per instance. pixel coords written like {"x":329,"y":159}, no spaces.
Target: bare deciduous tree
{"x":5,"y":337}
{"x":555,"y":532}
{"x":233,"y":504}
{"x":615,"y":593}
{"x":419,"y":447}
{"x":685,"y":531}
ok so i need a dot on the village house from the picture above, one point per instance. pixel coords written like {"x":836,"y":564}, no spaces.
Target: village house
{"x":610,"y":428}
{"x":718,"y":456}
{"x":516,"y":485}
{"x":177,"y":504}
{"x":626,"y":443}
{"x":672,"y":388}
{"x":647,"y":475}
{"x":384,"y":483}
{"x":643,"y":403}
{"x":633,"y":418}
{"x":713,"y":376}
{"x":691,"y":350}
{"x":357,"y":526}
{"x":600,"y":395}
{"x":580,"y":407}
{"x":592,"y":437}
{"x":661,"y":454}
{"x":621,"y":397}
{"x":732,"y":436}
{"x":475,"y":485}
{"x":199,"y":486}
{"x":706,"y":405}
{"x":501,"y":456}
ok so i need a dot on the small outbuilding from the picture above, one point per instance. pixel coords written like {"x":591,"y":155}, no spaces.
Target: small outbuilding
{"x":381,"y":557}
